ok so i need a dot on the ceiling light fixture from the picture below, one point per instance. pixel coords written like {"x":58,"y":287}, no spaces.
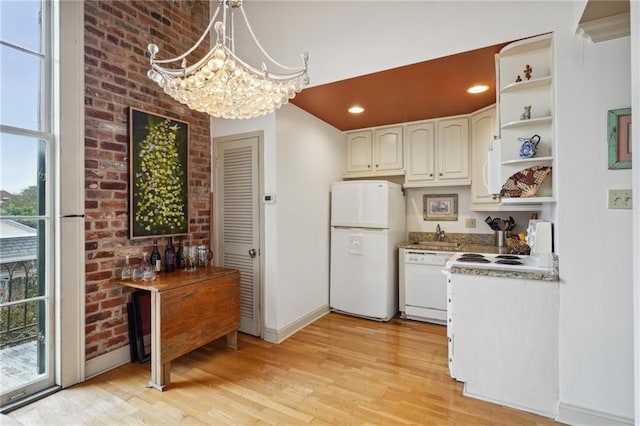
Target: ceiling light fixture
{"x":478,"y":88}
{"x":356,"y":109}
{"x":221,"y":84}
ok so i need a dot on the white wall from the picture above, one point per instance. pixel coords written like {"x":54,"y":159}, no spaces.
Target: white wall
{"x":310,"y":155}
{"x":635,"y":106}
{"x":594,"y":243}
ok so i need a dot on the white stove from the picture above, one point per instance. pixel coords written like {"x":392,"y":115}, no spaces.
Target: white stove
{"x":501,"y":262}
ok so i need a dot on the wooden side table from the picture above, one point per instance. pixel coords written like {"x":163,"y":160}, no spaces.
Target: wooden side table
{"x":189,"y":310}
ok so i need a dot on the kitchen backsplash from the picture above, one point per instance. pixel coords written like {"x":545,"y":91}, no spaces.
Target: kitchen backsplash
{"x":461,"y":238}
{"x":416,"y":222}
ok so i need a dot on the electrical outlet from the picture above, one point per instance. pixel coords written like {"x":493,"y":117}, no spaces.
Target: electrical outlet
{"x":620,"y":199}
{"x":470,"y":222}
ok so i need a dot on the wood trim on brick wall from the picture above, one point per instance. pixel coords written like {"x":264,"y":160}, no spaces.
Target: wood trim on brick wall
{"x":116,"y":62}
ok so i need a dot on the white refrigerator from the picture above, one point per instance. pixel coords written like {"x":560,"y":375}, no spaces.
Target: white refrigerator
{"x":367,"y":224}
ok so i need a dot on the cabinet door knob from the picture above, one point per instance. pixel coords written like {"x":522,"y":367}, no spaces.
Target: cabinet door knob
{"x":377,"y":165}
{"x":439,"y":174}
{"x":430,"y":174}
{"x":368,"y":166}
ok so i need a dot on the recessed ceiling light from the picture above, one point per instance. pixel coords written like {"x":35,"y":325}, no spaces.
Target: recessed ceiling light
{"x":478,"y":88}
{"x":356,"y":109}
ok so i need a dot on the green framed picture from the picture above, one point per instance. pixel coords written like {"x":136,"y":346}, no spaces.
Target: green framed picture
{"x":440,"y":207}
{"x":619,"y":135}
{"x":158,"y":175}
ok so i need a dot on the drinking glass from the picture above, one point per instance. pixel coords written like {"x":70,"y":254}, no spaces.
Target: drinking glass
{"x":136,"y":275}
{"x":191,"y":258}
{"x":148,"y":271}
{"x":127,"y":270}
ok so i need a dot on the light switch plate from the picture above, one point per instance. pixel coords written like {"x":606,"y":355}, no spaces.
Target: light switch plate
{"x":620,"y":199}
{"x":470,"y":222}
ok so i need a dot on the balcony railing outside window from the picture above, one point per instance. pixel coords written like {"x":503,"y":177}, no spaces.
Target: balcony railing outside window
{"x":18,"y":315}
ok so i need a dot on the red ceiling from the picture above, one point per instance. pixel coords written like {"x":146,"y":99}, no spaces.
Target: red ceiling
{"x":435,"y":88}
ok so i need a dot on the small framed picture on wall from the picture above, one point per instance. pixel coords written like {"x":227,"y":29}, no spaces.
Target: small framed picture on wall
{"x":440,"y":207}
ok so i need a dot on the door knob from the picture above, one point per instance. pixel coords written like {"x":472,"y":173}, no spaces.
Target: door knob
{"x":252,"y":253}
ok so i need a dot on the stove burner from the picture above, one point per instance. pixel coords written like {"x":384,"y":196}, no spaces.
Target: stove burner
{"x":472,"y":255}
{"x":507,"y":256}
{"x":509,"y":262}
{"x":473,"y":259}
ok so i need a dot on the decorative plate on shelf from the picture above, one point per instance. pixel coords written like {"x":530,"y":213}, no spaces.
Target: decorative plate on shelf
{"x":525,"y":183}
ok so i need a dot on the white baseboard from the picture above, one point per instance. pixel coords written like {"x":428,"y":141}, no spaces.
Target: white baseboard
{"x":110,"y":360}
{"x":574,"y":415}
{"x":278,"y":336}
{"x":550,"y":414}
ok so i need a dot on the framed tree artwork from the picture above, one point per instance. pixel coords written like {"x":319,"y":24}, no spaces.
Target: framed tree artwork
{"x":158,"y":175}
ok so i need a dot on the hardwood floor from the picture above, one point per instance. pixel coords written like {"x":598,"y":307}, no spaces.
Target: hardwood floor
{"x":338,"y":370}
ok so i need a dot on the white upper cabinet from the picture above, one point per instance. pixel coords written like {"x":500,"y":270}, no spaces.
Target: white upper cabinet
{"x":452,"y":149}
{"x":437,"y":153}
{"x":359,"y":152}
{"x":387,"y":149}
{"x":375,"y":152}
{"x":420,"y":153}
{"x":483,"y":130}
{"x":526,"y":105}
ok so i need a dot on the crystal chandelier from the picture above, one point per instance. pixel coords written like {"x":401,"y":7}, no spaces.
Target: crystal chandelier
{"x":221,"y":84}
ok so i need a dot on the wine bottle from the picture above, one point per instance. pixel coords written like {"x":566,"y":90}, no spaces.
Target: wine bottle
{"x":180,"y":258}
{"x":155,"y":258}
{"x":170,"y":256}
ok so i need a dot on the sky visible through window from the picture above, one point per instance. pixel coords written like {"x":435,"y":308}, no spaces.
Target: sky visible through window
{"x":20,"y":88}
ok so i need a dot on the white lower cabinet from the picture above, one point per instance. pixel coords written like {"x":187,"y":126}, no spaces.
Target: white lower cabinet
{"x":504,"y":340}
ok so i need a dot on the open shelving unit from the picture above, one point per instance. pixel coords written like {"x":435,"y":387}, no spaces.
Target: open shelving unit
{"x":537,"y":92}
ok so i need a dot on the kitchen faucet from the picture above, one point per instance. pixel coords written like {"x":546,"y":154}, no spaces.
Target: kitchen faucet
{"x":439,"y":233}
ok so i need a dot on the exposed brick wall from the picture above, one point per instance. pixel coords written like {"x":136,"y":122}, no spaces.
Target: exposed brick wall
{"x":116,"y":37}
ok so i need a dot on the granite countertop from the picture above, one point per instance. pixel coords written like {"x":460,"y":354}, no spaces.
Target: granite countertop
{"x":476,"y":243}
{"x":472,"y":243}
{"x":551,"y":275}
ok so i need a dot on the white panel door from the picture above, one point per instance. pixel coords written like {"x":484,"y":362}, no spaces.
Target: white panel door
{"x":359,"y":152}
{"x":453,"y":149}
{"x":239,"y":221}
{"x":420,"y":152}
{"x":387,"y":148}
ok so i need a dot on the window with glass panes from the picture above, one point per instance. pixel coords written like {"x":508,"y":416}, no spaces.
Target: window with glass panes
{"x":26,"y":147}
